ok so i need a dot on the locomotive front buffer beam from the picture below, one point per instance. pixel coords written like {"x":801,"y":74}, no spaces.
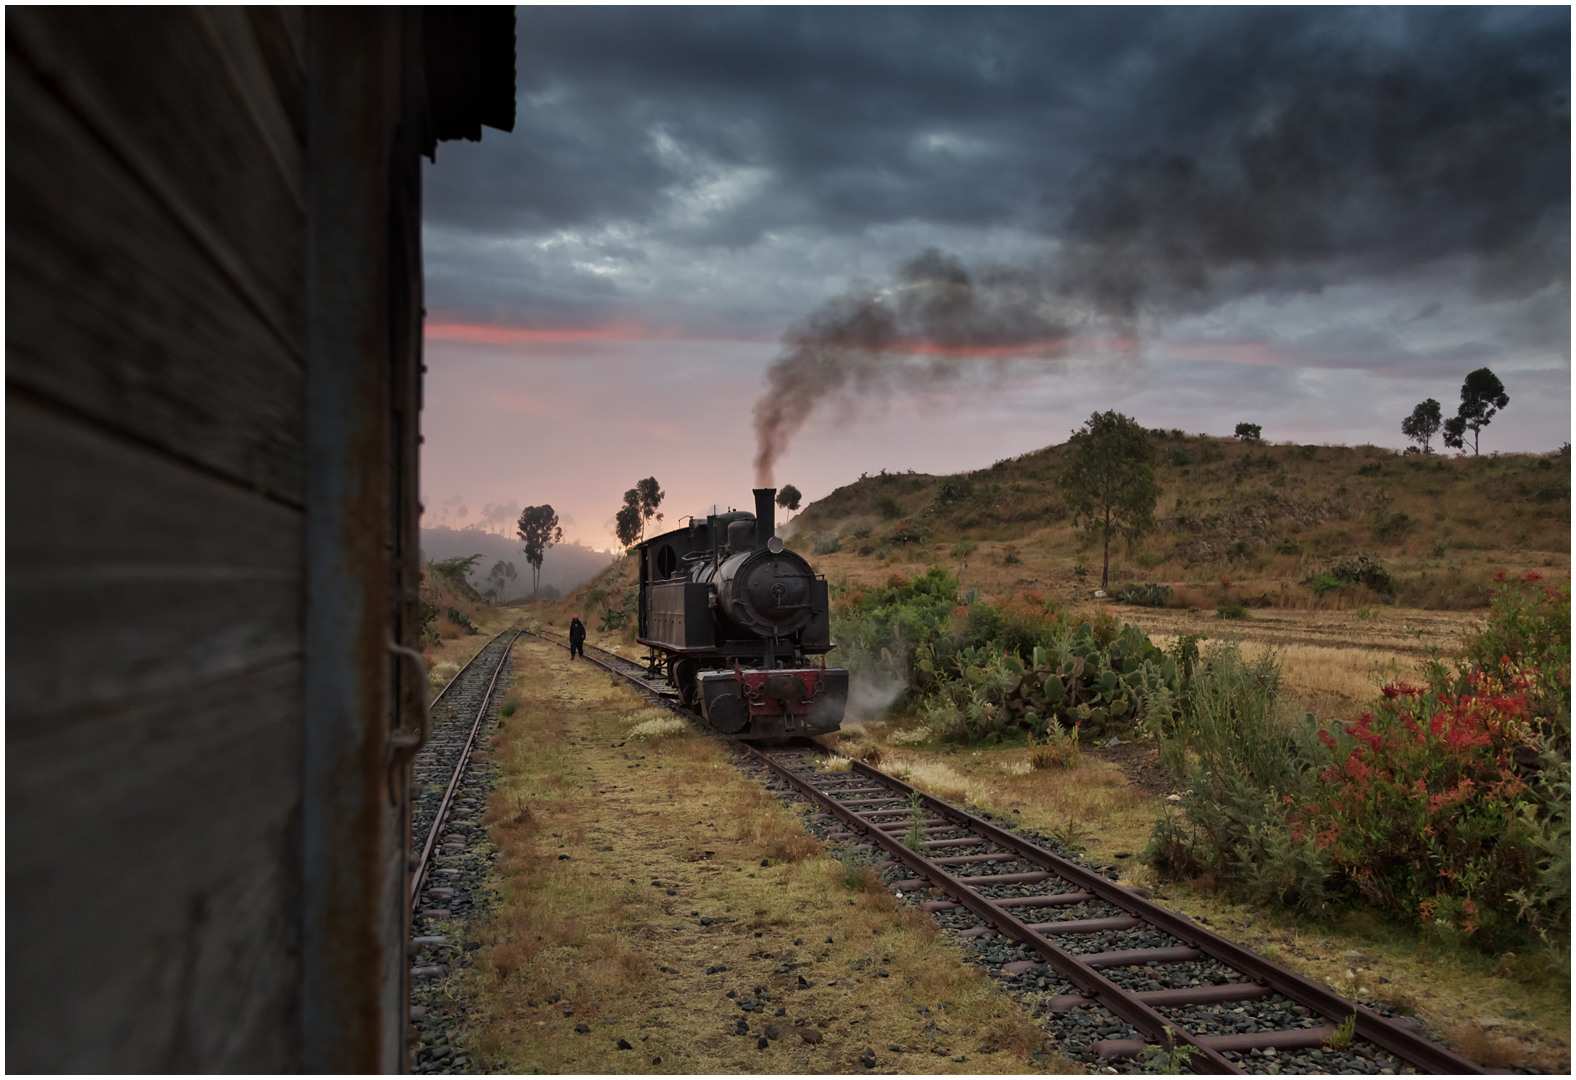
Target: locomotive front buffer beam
{"x":775,"y":703}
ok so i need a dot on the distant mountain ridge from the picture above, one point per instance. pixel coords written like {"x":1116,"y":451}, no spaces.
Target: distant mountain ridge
{"x":563,"y":567}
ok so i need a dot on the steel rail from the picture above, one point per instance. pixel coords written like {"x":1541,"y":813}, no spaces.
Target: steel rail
{"x":419,"y":874}
{"x":1131,"y":1006}
{"x":1080,"y":974}
{"x":1382,"y":1032}
{"x":439,"y":695}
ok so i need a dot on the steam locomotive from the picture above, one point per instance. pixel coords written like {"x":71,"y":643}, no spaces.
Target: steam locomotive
{"x":734,"y":621}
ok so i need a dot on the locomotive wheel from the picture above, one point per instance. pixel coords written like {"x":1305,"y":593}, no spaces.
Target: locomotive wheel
{"x":683,"y":678}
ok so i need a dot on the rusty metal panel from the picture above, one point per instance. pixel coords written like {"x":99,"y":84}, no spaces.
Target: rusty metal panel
{"x":353,"y":816}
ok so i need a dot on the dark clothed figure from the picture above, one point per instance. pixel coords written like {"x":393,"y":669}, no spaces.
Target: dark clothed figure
{"x":577,"y":638}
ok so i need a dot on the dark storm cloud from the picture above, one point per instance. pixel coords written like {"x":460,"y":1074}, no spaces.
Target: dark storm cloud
{"x":1299,"y":158}
{"x":837,"y":103}
{"x":865,"y":115}
{"x":1174,"y":157}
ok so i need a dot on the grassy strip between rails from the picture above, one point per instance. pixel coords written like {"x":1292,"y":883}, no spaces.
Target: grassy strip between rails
{"x":614,"y":849}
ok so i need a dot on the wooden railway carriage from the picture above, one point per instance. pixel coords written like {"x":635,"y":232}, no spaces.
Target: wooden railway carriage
{"x":739,"y":625}
{"x":213,"y":385}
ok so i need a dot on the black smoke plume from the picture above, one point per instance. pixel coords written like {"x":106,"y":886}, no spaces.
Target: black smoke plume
{"x":1331,"y":171}
{"x":934,"y":318}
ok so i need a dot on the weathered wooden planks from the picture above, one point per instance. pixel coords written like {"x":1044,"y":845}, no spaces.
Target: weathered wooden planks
{"x":130,"y":576}
{"x":156,"y":483}
{"x":151,"y":882}
{"x":153,"y":341}
{"x":172,"y":109}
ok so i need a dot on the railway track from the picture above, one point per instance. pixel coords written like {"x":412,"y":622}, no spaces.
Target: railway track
{"x":1113,"y":971}
{"x":458,"y":712}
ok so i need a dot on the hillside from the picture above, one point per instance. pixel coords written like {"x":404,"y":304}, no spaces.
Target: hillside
{"x":1239,"y":522}
{"x":563,"y":567}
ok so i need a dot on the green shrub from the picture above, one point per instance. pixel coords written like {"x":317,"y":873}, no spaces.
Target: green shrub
{"x":888,"y":508}
{"x":1365,"y":571}
{"x":827,"y":544}
{"x":1324,"y":583}
{"x":460,"y":619}
{"x":982,"y":669}
{"x":954,"y":489}
{"x":1231,"y":611}
{"x":963,"y":549}
{"x":1238,"y":751}
{"x":1360,"y":570}
{"x":1143,"y":595}
{"x":1288,"y":546}
{"x":1011,"y":558}
{"x":1373,"y":468}
{"x":861,"y":532}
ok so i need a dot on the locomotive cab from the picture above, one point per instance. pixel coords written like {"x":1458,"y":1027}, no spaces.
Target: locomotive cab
{"x":740,"y":626}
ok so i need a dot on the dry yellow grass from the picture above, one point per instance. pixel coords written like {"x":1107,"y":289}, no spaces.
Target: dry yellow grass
{"x":1093,"y":795}
{"x":594,"y":928}
{"x":1327,"y":680}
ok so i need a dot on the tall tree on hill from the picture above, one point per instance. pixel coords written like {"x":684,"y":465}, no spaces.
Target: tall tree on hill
{"x":650,"y":493}
{"x":1110,"y":481}
{"x":1482,"y":395}
{"x":538,"y":527}
{"x":627,"y":523}
{"x":788,"y":497}
{"x":1423,"y":424}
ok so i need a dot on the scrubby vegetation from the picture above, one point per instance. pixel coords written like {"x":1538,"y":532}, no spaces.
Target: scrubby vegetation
{"x":1447,"y":806}
{"x":983,"y":670}
{"x":448,"y":604}
{"x":1326,"y":527}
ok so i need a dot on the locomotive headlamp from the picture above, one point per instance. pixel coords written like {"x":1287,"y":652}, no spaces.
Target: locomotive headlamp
{"x":774,"y":545}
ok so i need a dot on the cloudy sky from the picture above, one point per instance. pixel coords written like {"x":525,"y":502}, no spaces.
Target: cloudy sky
{"x":730,"y":245}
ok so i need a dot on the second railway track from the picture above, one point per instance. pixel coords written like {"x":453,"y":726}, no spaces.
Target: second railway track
{"x":458,"y":712}
{"x":1139,"y":978}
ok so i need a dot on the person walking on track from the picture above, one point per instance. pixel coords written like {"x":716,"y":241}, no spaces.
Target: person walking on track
{"x":577,"y":638}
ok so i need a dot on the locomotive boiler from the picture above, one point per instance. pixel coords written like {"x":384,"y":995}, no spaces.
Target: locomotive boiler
{"x":740,"y":626}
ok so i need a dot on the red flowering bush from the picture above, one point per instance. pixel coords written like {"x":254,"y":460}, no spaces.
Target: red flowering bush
{"x":1448,"y":805}
{"x":1529,"y":625}
{"x":1423,"y":812}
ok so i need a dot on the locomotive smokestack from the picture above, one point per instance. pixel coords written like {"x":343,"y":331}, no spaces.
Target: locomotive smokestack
{"x":765,"y":515}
